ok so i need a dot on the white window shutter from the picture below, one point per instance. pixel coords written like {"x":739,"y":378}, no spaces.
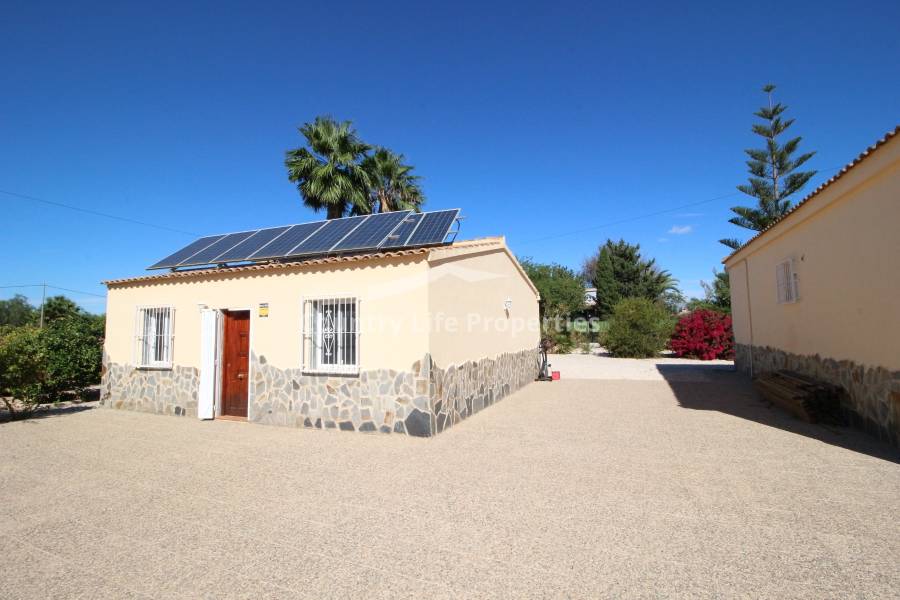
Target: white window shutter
{"x":785,"y":282}
{"x":206,"y":400}
{"x":795,"y":292}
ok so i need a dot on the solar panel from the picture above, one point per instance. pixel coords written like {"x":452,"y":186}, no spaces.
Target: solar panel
{"x":383,"y":231}
{"x":283,"y":244}
{"x":372,"y":232}
{"x":173,"y":259}
{"x":252,"y":244}
{"x":206,"y":256}
{"x":324,"y":239}
{"x":399,"y":236}
{"x":433,"y":228}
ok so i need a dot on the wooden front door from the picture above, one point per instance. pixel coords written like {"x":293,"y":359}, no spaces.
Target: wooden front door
{"x":236,"y":363}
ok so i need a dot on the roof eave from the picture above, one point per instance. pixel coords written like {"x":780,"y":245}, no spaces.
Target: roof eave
{"x":270,"y":266}
{"x":847,"y":168}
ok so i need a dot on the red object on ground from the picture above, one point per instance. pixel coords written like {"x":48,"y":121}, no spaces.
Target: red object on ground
{"x":555,"y":375}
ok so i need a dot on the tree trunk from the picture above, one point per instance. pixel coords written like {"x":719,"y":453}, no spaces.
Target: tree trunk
{"x":335,"y":211}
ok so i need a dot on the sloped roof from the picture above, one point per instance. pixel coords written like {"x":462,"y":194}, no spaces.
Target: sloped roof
{"x":846,"y":169}
{"x":300,"y":265}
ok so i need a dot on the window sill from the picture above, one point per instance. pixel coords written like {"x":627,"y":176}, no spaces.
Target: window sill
{"x":332,"y":373}
{"x":153,"y":368}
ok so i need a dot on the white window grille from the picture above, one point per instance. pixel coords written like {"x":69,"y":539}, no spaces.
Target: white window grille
{"x":786,"y":282}
{"x":154,"y":337}
{"x":331,"y":335}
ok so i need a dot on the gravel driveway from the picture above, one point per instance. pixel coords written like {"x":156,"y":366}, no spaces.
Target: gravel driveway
{"x":598,"y":366}
{"x":578,"y":488}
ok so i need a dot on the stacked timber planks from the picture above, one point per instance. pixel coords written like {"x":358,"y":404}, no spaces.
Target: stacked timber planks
{"x":808,"y":399}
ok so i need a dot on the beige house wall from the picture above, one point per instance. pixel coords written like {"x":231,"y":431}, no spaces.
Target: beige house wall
{"x":845,"y":327}
{"x":415,"y":376}
{"x":393,"y":295}
{"x":467,"y":293}
{"x":740,"y":312}
{"x":845,"y":244}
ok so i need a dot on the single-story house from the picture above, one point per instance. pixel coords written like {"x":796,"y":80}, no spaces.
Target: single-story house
{"x":390,"y":333}
{"x":818,"y":292}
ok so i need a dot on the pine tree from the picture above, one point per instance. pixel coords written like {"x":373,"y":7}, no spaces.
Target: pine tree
{"x":718,"y":291}
{"x":621,"y":272}
{"x":772,"y":172}
{"x":605,"y":281}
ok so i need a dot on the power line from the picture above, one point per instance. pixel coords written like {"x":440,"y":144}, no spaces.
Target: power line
{"x":630,"y":219}
{"x":646,"y":215}
{"x":97,"y":213}
{"x":55,"y":287}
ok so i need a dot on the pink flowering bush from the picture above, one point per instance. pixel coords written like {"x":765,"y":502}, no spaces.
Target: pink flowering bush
{"x":704,"y":334}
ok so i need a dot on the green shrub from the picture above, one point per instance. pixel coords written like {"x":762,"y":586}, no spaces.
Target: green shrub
{"x":638,"y":328}
{"x":22,"y":369}
{"x":40,"y":365}
{"x":74,"y":352}
{"x":562,"y":342}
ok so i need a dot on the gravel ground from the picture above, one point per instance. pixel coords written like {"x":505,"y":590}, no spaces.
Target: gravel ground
{"x":598,"y":366}
{"x":576,"y":488}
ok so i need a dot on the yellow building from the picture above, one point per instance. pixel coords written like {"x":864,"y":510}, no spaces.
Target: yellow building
{"x":406,"y":339}
{"x":818,"y":292}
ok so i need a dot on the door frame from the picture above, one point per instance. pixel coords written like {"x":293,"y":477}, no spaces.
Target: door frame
{"x":220,"y":351}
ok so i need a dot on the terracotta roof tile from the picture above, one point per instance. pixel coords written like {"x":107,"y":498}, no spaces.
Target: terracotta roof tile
{"x":269,"y":266}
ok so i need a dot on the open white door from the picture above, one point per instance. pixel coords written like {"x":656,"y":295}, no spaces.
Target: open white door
{"x":209,"y":328}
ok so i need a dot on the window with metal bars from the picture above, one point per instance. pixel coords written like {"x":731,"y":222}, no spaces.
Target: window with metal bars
{"x":331,"y":335}
{"x":154,"y":337}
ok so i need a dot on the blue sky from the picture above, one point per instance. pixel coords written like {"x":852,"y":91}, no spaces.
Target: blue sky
{"x":554,"y":124}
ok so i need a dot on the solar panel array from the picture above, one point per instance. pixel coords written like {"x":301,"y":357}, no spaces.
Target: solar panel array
{"x":400,"y":229}
{"x":399,"y":236}
{"x":432,"y":226}
{"x":283,"y":244}
{"x":252,"y":244}
{"x":377,"y":228}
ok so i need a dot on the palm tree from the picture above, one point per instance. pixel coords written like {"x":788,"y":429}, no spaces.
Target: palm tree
{"x":329,"y":173}
{"x":392,"y":186}
{"x":656,"y":281}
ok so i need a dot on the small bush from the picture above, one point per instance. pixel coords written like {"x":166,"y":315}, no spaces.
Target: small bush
{"x":703,"y":334}
{"x":22,"y":369}
{"x":638,"y":328}
{"x":74,"y":351}
{"x":561,"y":342}
{"x":49,"y":364}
